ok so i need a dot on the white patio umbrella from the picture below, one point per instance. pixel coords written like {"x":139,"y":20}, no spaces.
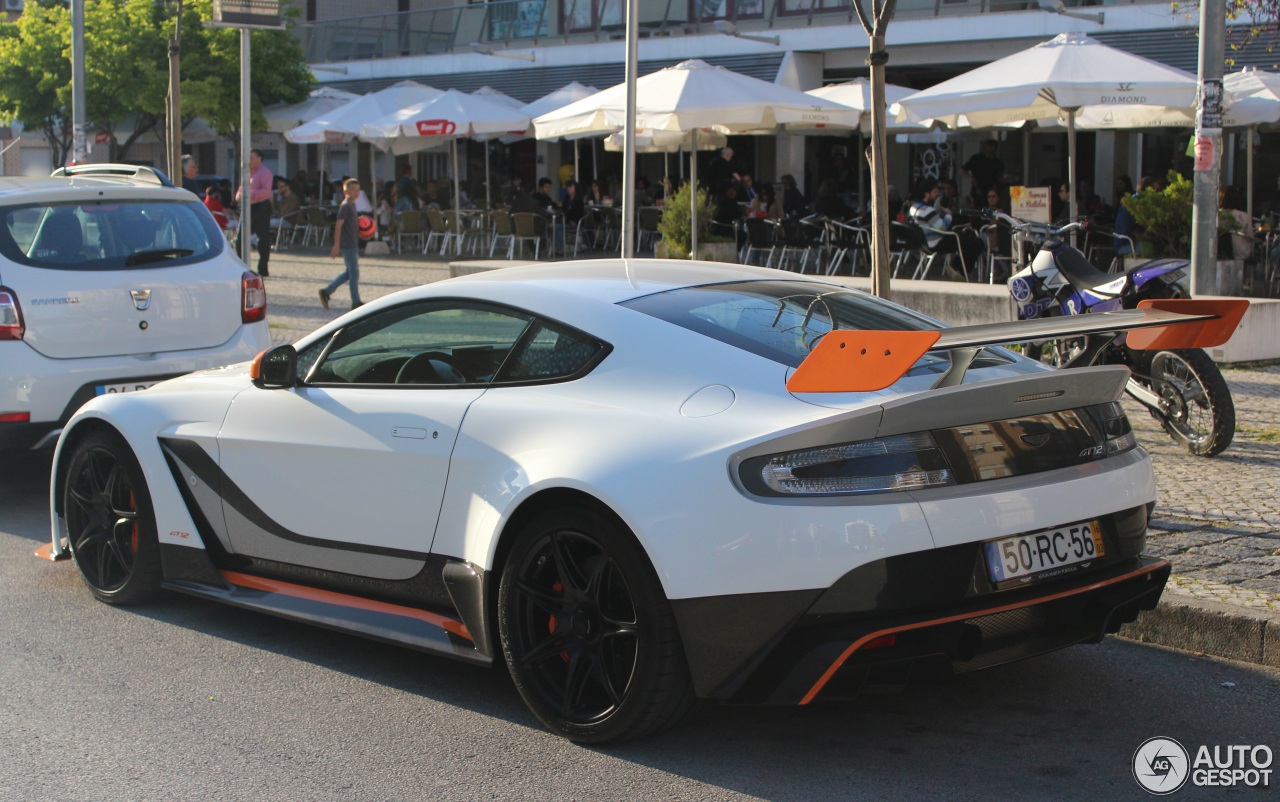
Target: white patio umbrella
{"x":489,"y":93}
{"x":1066,"y":74}
{"x":282,"y":117}
{"x":690,"y":96}
{"x":343,"y":123}
{"x":443,"y":120}
{"x":1251,"y":98}
{"x":549,"y":102}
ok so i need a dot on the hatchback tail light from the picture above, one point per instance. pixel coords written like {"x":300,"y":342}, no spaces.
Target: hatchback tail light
{"x":11,"y":325}
{"x":253,"y":298}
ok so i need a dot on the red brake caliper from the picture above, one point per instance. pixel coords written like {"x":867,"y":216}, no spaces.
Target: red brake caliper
{"x":551,"y":624}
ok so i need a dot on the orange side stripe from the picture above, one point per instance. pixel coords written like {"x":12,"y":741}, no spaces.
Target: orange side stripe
{"x":1195,"y":334}
{"x":344,"y":600}
{"x":846,"y":361}
{"x":860,"y":642}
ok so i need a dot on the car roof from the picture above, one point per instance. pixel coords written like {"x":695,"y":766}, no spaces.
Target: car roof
{"x":24,"y":190}
{"x":616,"y":280}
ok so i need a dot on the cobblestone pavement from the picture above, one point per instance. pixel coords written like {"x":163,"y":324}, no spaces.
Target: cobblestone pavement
{"x":1217,"y":520}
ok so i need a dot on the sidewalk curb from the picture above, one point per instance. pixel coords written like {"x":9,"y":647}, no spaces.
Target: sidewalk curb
{"x":1208,"y":627}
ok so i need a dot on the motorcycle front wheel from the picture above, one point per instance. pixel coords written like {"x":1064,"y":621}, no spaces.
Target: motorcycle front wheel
{"x":1199,"y":411}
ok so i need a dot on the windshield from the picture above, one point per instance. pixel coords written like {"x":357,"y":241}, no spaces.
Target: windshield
{"x":109,"y":235}
{"x":783,"y":320}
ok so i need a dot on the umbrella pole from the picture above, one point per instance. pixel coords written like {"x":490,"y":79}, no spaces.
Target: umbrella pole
{"x":693,"y":196}
{"x":1248,"y":161}
{"x":457,"y":198}
{"x":1026,"y":156}
{"x":488,"y":186}
{"x":577,"y":176}
{"x":1071,"y":168}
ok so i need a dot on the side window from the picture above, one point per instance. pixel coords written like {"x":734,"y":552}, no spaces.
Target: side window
{"x":445,"y":343}
{"x":551,"y":352}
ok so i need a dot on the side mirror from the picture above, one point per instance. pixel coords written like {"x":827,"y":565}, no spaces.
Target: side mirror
{"x":275,"y":368}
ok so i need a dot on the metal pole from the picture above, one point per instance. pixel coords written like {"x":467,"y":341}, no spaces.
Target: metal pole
{"x":79,"y":143}
{"x":628,"y":193}
{"x":1073,"y":211}
{"x":488,"y":187}
{"x":1208,"y":146}
{"x":246,"y":198}
{"x":175,"y":99}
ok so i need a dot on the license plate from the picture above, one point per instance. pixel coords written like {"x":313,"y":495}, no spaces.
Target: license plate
{"x":1024,"y":555}
{"x":131,"y":387}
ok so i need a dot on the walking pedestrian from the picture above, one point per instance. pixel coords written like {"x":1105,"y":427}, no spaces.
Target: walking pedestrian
{"x":259,"y":216}
{"x":346,"y":241}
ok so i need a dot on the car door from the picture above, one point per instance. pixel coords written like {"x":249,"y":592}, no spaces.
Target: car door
{"x":346,"y":472}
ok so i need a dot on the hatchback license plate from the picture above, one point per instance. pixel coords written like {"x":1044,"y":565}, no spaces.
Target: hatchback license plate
{"x":131,"y":387}
{"x":1023,"y":555}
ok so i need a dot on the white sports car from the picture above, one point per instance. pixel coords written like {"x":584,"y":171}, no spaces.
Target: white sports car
{"x":638,"y":483}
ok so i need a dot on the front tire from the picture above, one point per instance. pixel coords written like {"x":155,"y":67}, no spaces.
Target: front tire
{"x":588,"y":635}
{"x":1201,"y":415}
{"x":110,"y":523}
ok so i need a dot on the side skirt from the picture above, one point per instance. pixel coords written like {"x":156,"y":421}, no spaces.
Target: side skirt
{"x":391,"y":623}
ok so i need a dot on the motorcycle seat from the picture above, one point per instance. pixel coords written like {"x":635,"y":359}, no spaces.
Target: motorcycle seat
{"x":1077,"y":271}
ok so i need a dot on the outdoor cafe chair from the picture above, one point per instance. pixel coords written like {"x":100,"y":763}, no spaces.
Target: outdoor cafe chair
{"x":526,"y":230}
{"x":500,"y":222}
{"x":411,"y":227}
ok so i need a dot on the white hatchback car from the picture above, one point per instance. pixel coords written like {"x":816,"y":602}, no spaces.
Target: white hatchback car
{"x":109,"y":282}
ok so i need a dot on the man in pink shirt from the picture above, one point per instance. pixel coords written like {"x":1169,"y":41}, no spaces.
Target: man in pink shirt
{"x":259,"y":217}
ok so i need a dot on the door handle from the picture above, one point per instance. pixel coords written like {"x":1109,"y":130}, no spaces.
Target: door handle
{"x":409,"y":432}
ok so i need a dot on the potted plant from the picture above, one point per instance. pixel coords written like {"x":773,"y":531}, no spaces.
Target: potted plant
{"x":1164,"y":217}
{"x":676,"y":228}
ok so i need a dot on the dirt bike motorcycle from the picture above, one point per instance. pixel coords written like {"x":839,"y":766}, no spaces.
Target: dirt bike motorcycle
{"x":1182,"y":388}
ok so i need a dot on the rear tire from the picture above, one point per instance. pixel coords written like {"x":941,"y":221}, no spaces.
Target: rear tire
{"x":1202,"y":415}
{"x":110,"y":522}
{"x":588,"y":635}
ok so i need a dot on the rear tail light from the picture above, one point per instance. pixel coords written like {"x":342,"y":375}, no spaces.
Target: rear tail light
{"x":15,"y":417}
{"x":11,"y":325}
{"x":888,"y":464}
{"x":1115,"y":426}
{"x":253,"y":298}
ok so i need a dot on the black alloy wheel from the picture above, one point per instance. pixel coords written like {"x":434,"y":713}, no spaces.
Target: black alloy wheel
{"x":110,"y":524}
{"x":588,"y":635}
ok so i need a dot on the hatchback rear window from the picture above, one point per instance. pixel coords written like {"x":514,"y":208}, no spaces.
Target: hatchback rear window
{"x":109,"y":235}
{"x":783,"y":320}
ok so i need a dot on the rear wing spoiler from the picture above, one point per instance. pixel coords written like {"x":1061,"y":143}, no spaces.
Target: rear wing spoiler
{"x":863,"y":361}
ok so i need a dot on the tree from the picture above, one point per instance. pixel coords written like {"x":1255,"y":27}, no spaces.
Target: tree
{"x":876,"y":24}
{"x":126,"y":74}
{"x":1251,"y":24}
{"x":211,"y":70}
{"x":35,"y":74}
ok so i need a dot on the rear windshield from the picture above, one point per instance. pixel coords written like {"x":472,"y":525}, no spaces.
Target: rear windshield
{"x":783,"y":320}
{"x":109,"y":235}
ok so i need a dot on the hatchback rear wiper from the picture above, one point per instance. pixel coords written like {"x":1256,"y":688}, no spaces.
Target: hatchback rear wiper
{"x":145,"y":257}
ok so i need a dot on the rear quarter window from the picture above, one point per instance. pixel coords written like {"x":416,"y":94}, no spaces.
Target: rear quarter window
{"x":109,"y":235}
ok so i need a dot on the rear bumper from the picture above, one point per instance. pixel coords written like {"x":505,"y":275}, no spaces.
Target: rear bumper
{"x":837,"y":661}
{"x":883,"y":620}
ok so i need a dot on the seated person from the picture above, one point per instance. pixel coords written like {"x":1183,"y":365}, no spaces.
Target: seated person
{"x":213,"y":202}
{"x":934,"y":222}
{"x":828,"y":202}
{"x":728,"y":210}
{"x":767,"y":204}
{"x":793,"y":201}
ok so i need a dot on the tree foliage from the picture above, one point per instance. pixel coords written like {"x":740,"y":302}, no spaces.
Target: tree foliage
{"x":1164,"y":217}
{"x":1252,"y":25}
{"x":126,"y":70}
